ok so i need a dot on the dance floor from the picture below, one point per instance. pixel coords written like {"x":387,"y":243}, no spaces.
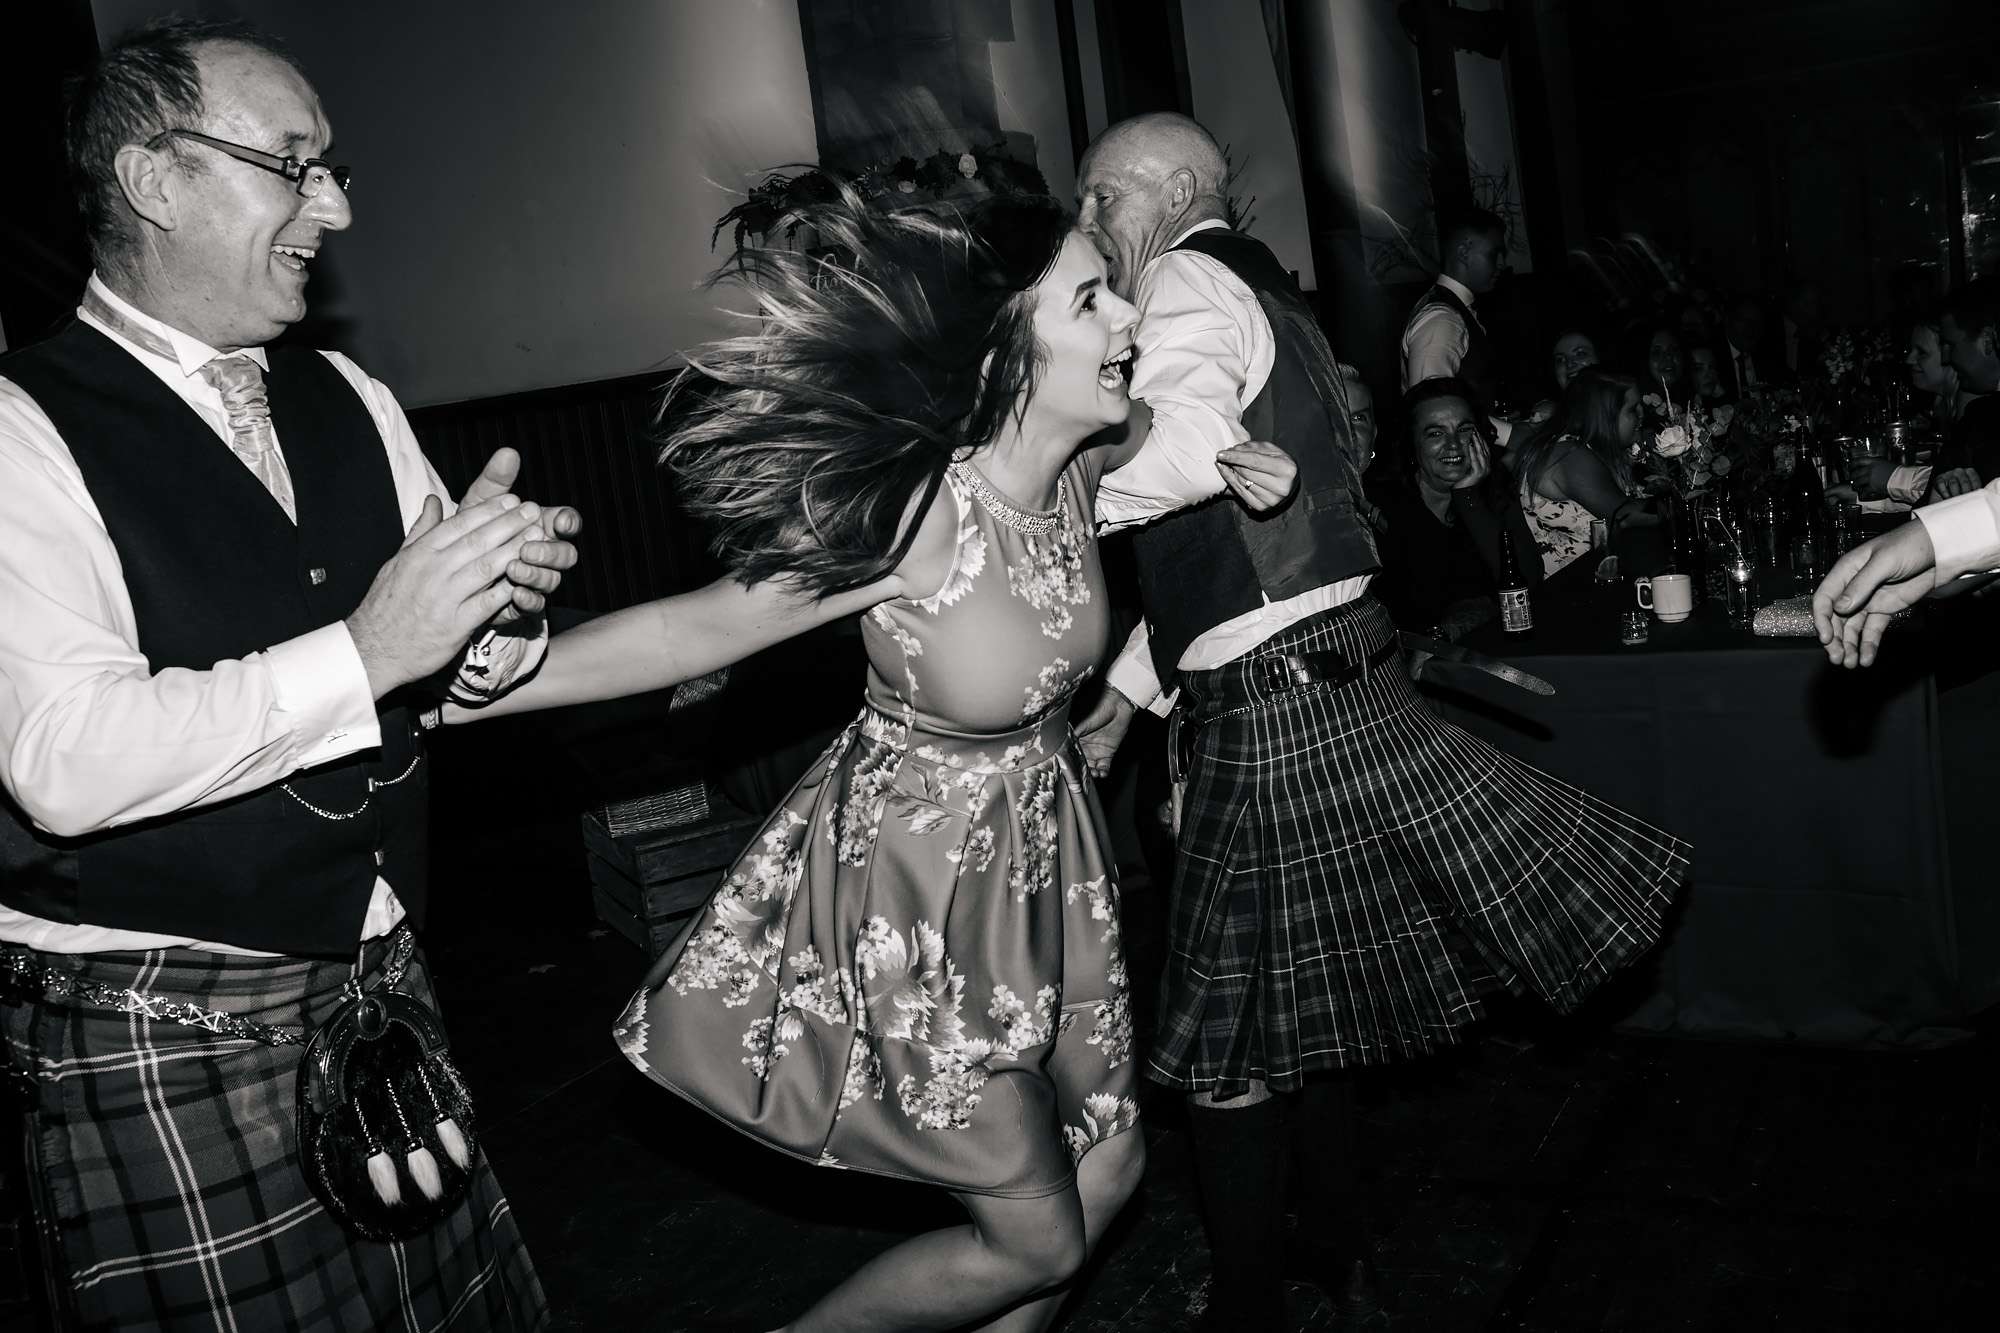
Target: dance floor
{"x":1547,"y":1176}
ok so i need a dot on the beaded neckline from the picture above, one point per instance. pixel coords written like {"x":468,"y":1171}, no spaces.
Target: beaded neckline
{"x":1030,"y":522}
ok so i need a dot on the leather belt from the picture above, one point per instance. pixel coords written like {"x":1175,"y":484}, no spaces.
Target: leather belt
{"x":1261,"y":680}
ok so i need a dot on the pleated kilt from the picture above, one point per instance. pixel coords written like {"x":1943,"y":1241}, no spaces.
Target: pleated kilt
{"x":168,"y":1166}
{"x":1354,"y":873}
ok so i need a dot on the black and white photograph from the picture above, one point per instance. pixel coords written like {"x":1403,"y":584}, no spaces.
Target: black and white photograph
{"x":930,"y":666}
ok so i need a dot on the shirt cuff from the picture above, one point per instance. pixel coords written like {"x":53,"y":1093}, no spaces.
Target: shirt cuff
{"x":1908,"y":483}
{"x":1132,"y":676}
{"x":1964,"y":532}
{"x":319,"y":684}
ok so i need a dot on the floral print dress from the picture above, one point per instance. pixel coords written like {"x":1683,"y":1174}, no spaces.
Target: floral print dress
{"x":1561,"y":527}
{"x":915,"y":968}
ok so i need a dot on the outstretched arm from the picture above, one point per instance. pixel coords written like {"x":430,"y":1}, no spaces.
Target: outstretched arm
{"x":664,"y":642}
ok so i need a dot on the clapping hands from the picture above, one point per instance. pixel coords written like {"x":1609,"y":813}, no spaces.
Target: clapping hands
{"x":537,"y":567}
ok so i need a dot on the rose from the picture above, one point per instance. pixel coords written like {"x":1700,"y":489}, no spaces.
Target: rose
{"x":968,"y":165}
{"x":1672,"y":442}
{"x":1721,"y":466}
{"x":1725,"y":414}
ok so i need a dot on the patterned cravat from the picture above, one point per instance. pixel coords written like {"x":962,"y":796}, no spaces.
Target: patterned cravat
{"x":240,"y":381}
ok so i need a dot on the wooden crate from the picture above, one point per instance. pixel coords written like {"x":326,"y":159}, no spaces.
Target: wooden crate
{"x":645,"y":883}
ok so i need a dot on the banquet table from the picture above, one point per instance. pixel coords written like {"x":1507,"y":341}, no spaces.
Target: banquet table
{"x":1842,"y":888}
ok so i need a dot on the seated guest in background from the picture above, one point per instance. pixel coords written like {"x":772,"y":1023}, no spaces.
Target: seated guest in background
{"x":1705,"y":373}
{"x":1574,"y":350}
{"x":1969,"y":339}
{"x":1874,"y":478}
{"x":1742,"y":333}
{"x":1361,"y":416}
{"x":1662,"y":367}
{"x":1444,"y":512}
{"x":1443,"y":335}
{"x":1695,"y":325}
{"x":1802,"y":327}
{"x":1577,"y":466}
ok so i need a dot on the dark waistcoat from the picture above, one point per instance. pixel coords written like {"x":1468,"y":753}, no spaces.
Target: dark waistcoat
{"x":1208,"y":564}
{"x":216,"y":571}
{"x":1476,"y":368}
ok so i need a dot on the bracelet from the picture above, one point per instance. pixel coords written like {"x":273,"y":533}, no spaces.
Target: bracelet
{"x":431,"y":717}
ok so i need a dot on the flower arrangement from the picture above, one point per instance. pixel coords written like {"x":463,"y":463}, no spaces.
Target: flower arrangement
{"x":1763,"y":436}
{"x":1840,"y":361}
{"x":1683,"y":456}
{"x":776,"y":201}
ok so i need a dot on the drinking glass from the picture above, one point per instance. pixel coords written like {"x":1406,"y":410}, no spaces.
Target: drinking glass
{"x":1741,"y":590}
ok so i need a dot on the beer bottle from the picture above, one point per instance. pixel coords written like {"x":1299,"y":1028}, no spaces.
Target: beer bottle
{"x":1517,"y":612}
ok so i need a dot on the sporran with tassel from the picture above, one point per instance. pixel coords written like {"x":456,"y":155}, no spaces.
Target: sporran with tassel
{"x":385,"y":1121}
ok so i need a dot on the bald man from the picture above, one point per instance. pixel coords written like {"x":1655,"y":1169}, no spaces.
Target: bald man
{"x":1228,"y":352}
{"x":1353,"y":874}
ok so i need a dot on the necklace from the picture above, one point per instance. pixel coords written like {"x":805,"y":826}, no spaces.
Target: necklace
{"x":1031,"y":522}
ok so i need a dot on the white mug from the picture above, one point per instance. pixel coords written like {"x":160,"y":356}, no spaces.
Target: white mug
{"x":1668,"y":596}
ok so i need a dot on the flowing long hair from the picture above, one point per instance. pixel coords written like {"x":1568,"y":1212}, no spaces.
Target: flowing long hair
{"x":904,"y":343}
{"x":1588,"y":416}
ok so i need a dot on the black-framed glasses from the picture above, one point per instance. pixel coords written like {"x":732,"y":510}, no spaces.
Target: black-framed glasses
{"x":309,"y":174}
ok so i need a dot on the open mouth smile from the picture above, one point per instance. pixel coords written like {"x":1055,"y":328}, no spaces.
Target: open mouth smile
{"x":1116,"y":372}
{"x":294,"y":257}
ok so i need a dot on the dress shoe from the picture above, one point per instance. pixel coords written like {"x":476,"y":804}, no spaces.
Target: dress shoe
{"x":1351,"y":1285}
{"x":1354,"y":1289}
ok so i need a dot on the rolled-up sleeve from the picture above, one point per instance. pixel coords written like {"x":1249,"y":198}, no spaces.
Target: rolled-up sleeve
{"x":1203,"y":343}
{"x":1908,"y":483}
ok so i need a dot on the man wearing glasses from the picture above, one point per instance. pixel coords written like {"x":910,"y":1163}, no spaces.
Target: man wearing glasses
{"x":229,"y":587}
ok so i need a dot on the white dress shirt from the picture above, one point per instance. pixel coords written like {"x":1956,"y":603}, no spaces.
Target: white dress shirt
{"x":90,"y":737}
{"x":1965,"y":532}
{"x":1205,"y":351}
{"x":1435,"y":339}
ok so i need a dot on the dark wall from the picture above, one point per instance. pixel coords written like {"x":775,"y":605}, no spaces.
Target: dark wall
{"x":1767,"y":138}
{"x":42,"y":257}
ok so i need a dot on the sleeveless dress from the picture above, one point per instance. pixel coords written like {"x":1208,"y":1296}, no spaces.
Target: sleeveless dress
{"x":1561,"y":527}
{"x":914,"y":969}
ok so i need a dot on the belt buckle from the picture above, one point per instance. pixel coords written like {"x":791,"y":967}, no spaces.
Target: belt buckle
{"x":1276,"y":673}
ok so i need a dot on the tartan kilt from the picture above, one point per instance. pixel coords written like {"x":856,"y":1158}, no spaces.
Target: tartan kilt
{"x":1354,"y":873}
{"x":169,"y":1172}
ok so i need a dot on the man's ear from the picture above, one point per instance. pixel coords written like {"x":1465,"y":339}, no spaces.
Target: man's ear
{"x":1180,"y":189}
{"x":151,"y":185}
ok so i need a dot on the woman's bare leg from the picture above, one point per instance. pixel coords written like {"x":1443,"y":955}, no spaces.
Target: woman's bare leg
{"x":1012,"y":1248}
{"x":1105,"y":1179}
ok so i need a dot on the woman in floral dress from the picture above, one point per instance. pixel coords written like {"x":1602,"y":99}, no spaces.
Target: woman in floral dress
{"x":1575,"y":467}
{"x":915,"y":969}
